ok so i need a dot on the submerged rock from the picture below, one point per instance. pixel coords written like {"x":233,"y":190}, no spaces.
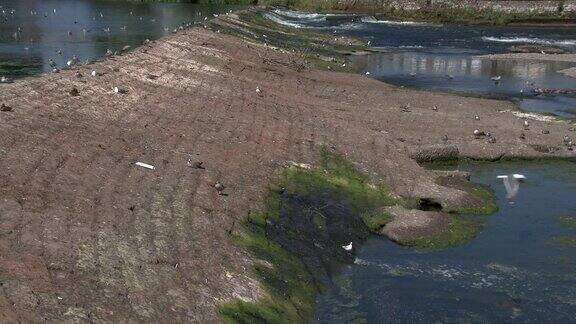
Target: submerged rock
{"x":409,"y":225}
{"x":5,"y":107}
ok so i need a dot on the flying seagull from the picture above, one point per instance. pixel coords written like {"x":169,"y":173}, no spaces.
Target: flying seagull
{"x":512,"y":184}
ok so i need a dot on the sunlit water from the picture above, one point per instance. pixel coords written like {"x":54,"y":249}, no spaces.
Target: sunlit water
{"x":445,"y":57}
{"x":509,"y":273}
{"x":34,"y":32}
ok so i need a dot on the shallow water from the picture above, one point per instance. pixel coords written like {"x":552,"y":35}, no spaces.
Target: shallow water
{"x":33,"y":32}
{"x":467,"y":74}
{"x":509,"y":273}
{"x":444,"y":57}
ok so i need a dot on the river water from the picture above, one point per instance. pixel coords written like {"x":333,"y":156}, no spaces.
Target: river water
{"x":34,"y":32}
{"x":521,"y":267}
{"x":446,"y":57}
{"x":515,"y":270}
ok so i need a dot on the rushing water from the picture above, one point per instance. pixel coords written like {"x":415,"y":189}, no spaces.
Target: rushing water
{"x":511,"y":272}
{"x":34,"y":32}
{"x":445,"y":57}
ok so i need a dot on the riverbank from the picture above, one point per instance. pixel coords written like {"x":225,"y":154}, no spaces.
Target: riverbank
{"x":88,"y":235}
{"x":521,"y":13}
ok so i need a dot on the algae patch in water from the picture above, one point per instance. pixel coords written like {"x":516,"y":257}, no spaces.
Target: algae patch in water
{"x":568,"y":221}
{"x":307,"y":215}
{"x":487,"y":203}
{"x":563,"y":241}
{"x":462,"y":229}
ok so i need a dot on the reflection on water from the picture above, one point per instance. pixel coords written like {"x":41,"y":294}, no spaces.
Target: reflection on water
{"x":442,"y":57}
{"x":471,"y":74}
{"x":509,"y":273}
{"x":33,"y":32}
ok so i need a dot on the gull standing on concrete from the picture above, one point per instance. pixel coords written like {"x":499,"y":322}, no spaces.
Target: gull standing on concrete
{"x":512,"y":184}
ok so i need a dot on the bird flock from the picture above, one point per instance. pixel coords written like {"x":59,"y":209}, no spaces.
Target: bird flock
{"x":81,"y":35}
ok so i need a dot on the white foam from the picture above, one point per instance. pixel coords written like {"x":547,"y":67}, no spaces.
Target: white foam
{"x":277,"y":19}
{"x":300,"y":14}
{"x":372,"y":20}
{"x":528,"y":40}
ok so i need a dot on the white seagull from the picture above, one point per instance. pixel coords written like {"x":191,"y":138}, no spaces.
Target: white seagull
{"x":512,"y":184}
{"x":347,"y":247}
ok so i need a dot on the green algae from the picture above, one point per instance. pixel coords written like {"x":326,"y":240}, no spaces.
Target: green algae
{"x":566,"y":241}
{"x":568,"y":221}
{"x":462,"y":229}
{"x":375,"y":219}
{"x":486,"y":206}
{"x":288,"y":288}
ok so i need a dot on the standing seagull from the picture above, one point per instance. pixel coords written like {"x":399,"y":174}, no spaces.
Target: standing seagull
{"x":512,"y":184}
{"x":347,"y":247}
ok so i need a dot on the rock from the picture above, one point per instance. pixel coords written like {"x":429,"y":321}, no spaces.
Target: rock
{"x":536,"y":49}
{"x":4,"y":79}
{"x":413,"y":224}
{"x":219,"y":187}
{"x":5,"y":107}
{"x":544,"y":148}
{"x":195,"y":164}
{"x":74,"y":92}
{"x":478,"y":133}
{"x":120,"y":90}
{"x":434,"y":152}
{"x":453,"y":174}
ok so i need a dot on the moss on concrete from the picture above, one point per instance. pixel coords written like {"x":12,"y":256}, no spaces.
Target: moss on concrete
{"x":376,"y":219}
{"x":289,"y":289}
{"x":461,"y":230}
{"x":486,"y":206}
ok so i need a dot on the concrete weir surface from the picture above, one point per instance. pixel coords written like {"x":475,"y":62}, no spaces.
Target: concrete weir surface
{"x":88,"y":235}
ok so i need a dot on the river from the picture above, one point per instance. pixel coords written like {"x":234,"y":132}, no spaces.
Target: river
{"x":35,"y":33}
{"x":521,"y":266}
{"x":447,"y":57}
